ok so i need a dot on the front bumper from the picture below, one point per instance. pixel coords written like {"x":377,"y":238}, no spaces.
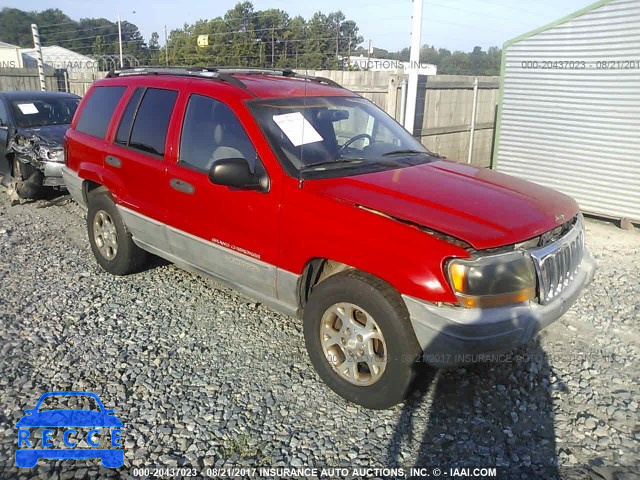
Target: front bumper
{"x":451,"y":336}
{"x":53,"y":174}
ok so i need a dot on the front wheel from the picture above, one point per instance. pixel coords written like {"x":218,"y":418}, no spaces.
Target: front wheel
{"x":28,"y":180}
{"x":360,"y":340}
{"x":110,"y":240}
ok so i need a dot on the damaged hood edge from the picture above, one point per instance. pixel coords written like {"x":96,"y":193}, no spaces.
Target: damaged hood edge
{"x":51,"y":135}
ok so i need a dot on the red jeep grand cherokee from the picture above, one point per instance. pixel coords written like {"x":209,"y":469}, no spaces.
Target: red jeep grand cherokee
{"x":309,"y":198}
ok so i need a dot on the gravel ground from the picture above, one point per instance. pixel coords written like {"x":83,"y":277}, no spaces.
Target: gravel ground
{"x":202,"y":377}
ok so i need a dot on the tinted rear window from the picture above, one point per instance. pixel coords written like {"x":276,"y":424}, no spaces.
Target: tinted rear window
{"x":149,"y":130}
{"x":98,"y":109}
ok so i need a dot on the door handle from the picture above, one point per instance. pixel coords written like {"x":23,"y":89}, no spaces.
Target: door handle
{"x":181,"y":186}
{"x":113,"y":161}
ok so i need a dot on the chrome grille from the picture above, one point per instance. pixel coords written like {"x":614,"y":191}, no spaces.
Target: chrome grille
{"x":558,"y":263}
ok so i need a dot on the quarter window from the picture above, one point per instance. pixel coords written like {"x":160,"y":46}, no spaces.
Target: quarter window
{"x":124,"y":130}
{"x":98,"y":109}
{"x":149,"y":131}
{"x":210,"y":132}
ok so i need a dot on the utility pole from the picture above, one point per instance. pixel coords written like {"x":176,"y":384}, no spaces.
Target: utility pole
{"x":38,"y":47}
{"x":414,"y":62}
{"x":166,"y":47}
{"x":120,"y":41}
{"x":337,"y":38}
{"x":472,"y":130}
{"x":369,"y":55}
{"x":273,"y":46}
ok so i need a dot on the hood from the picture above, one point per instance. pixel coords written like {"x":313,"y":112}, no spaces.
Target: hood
{"x":51,"y":134}
{"x":485,"y":208}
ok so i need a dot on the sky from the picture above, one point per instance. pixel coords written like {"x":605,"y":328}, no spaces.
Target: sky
{"x":452,"y":24}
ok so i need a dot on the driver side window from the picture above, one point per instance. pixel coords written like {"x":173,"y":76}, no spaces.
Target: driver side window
{"x":211,"y":132}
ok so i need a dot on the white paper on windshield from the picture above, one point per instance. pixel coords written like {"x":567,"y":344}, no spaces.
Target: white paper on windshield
{"x":27,"y":108}
{"x":297,"y":128}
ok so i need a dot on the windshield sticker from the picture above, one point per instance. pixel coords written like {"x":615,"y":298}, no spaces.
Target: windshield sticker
{"x":297,"y":128}
{"x":28,"y":108}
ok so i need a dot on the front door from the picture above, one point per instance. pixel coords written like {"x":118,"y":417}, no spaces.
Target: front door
{"x":230,"y":233}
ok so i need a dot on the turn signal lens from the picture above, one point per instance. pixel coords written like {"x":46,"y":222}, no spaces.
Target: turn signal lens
{"x":457,"y":273}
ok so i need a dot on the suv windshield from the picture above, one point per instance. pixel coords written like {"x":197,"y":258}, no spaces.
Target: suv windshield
{"x":335,"y":136}
{"x":41,"y":112}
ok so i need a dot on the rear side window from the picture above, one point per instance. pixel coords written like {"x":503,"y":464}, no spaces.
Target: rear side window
{"x":149,"y":130}
{"x":98,"y":109}
{"x":124,"y":130}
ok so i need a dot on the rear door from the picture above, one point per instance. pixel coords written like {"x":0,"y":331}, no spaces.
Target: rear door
{"x":230,"y":233}
{"x":136,"y":156}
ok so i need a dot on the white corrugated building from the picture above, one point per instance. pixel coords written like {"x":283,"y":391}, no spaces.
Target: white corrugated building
{"x":569,"y":111}
{"x":60,"y":57}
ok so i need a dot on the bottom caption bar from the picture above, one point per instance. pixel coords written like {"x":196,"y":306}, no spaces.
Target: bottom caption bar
{"x":316,"y":472}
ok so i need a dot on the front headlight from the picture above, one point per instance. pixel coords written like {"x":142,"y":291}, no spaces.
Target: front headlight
{"x":493,"y":280}
{"x":49,"y":154}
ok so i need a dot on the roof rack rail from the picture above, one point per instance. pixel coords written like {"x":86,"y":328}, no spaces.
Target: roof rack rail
{"x":211,"y":73}
{"x":224,"y":74}
{"x":285,"y":72}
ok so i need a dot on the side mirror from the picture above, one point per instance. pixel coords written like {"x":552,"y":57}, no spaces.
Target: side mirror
{"x":235,"y":172}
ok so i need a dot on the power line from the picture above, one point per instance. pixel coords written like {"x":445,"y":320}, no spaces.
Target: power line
{"x":57,"y":24}
{"x":71,"y":40}
{"x":113,"y":25}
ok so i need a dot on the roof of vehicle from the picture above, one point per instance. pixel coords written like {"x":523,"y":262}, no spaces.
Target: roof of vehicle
{"x":271,"y":86}
{"x":36,"y":95}
{"x":261,"y":83}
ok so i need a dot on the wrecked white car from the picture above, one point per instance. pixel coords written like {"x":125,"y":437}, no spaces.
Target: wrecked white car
{"x":32,"y":128}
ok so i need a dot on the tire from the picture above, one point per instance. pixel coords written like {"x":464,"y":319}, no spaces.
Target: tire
{"x":355,"y":298}
{"x":110,"y":240}
{"x":28,"y":180}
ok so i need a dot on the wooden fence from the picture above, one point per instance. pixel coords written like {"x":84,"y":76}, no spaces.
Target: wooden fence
{"x":444,"y":108}
{"x":27,"y":79}
{"x":443,"y":112}
{"x":79,"y":82}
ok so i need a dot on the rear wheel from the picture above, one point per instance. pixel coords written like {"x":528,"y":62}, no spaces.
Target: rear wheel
{"x":110,"y":240}
{"x":360,"y":340}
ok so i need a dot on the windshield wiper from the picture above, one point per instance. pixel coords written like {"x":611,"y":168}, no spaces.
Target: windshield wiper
{"x":402,"y":152}
{"x":332,"y":162}
{"x":410,"y":152}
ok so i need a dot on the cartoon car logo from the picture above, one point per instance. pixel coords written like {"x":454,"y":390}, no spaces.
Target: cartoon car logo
{"x":67,"y":419}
